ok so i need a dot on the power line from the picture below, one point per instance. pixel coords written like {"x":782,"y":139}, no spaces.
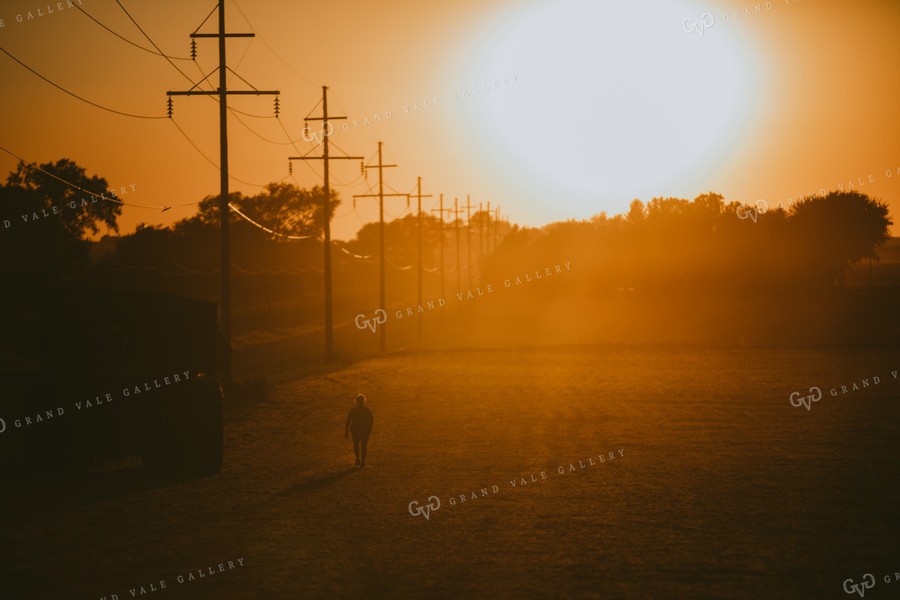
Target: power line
{"x":266,"y":229}
{"x":271,"y":49}
{"x":288,"y":136}
{"x":158,"y":49}
{"x":261,"y":136}
{"x":74,"y":95}
{"x":240,"y":60}
{"x":188,"y":271}
{"x":246,"y":114}
{"x":33,"y":165}
{"x":210,"y":161}
{"x":347,"y":252}
{"x":124,"y":39}
{"x":293,"y":143}
{"x":205,"y":19}
{"x":174,"y":66}
{"x":164,"y":208}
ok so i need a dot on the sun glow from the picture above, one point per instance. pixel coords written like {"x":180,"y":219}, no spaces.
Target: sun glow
{"x":614,"y":101}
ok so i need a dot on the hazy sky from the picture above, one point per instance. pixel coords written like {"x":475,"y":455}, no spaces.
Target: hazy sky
{"x":553,"y":109}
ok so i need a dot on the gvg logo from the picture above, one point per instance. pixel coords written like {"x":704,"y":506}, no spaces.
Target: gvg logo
{"x":318,"y":136}
{"x":706,"y":20}
{"x":761,"y":207}
{"x":797,"y":400}
{"x":867,"y":583}
{"x":372,"y":323}
{"x":434,"y":503}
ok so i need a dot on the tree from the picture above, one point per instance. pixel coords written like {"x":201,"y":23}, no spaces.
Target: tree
{"x":636,"y":213}
{"x":282,"y":207}
{"x":838,"y":230}
{"x":45,"y":223}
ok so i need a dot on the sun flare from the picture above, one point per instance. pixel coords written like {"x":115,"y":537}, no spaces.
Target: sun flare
{"x":625,"y":104}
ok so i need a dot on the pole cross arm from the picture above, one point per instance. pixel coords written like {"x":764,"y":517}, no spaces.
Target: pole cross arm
{"x":329,"y":158}
{"x":228,"y":92}
{"x":377,"y":195}
{"x":221,"y":35}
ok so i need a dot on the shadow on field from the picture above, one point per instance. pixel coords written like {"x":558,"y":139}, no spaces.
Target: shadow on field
{"x":318,"y":482}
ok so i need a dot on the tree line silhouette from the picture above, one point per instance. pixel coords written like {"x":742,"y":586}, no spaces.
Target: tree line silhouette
{"x":668,"y":246}
{"x":705,"y":244}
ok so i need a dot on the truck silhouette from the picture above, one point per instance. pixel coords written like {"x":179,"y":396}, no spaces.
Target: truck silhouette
{"x":90,"y":375}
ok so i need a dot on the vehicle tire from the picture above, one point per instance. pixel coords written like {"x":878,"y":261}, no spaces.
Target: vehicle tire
{"x":186,"y":431}
{"x":203,"y":432}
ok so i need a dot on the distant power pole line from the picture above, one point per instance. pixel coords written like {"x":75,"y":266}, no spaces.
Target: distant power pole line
{"x":441,"y":210}
{"x":326,"y":213}
{"x":419,"y":197}
{"x":380,"y":195}
{"x":225,"y":246}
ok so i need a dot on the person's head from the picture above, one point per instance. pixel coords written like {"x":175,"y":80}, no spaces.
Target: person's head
{"x":360,"y":400}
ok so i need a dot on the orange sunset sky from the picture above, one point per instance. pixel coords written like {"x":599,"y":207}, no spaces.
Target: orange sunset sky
{"x":596,"y":103}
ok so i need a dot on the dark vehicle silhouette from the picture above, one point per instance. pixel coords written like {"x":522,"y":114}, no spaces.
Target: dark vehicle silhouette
{"x":69,"y":399}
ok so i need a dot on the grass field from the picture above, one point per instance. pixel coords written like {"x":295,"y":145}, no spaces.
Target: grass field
{"x":723,"y":490}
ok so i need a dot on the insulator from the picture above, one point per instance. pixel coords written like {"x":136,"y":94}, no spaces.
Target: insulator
{"x":193,"y":49}
{"x":277,"y":106}
{"x":169,"y":107}
{"x":290,"y":168}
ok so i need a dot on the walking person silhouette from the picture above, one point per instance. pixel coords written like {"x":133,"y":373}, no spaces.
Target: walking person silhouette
{"x":359,"y":422}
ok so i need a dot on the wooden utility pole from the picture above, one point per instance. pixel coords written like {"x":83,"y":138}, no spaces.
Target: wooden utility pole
{"x":419,"y":197}
{"x":456,"y":211}
{"x":480,"y":230}
{"x":441,"y":235}
{"x":469,"y":239}
{"x":488,"y":214}
{"x":326,"y":213}
{"x":380,"y":195}
{"x":225,"y":247}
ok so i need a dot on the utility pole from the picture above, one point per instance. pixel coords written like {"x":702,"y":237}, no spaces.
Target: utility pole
{"x":441,"y":235}
{"x":326,"y":212}
{"x":456,"y":212}
{"x":480,"y":230}
{"x":380,"y":195}
{"x":419,"y":197}
{"x":489,"y":226}
{"x":469,"y":239}
{"x":225,"y":247}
